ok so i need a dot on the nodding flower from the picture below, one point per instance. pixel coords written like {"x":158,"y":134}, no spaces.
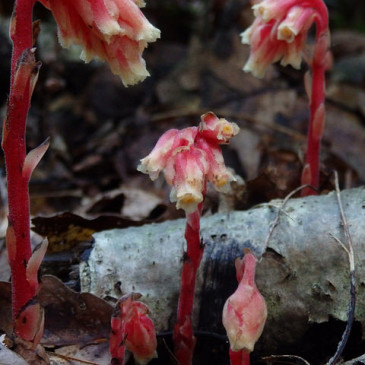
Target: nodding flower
{"x":279,"y":32}
{"x":133,"y":329}
{"x":191,"y":157}
{"x":115,"y":31}
{"x":245,"y":312}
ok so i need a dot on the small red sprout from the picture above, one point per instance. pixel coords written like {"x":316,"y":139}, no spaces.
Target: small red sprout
{"x":132,"y":329}
{"x":189,"y":159}
{"x":279,"y":33}
{"x":245,"y":312}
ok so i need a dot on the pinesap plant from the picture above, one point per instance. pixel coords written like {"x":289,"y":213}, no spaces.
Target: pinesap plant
{"x":189,"y":158}
{"x":279,"y":33}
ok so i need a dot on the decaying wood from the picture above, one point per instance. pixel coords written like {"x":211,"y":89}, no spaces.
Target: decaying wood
{"x":303,"y":274}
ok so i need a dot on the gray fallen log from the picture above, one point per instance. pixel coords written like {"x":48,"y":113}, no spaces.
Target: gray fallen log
{"x":303,"y":274}
{"x":8,"y":357}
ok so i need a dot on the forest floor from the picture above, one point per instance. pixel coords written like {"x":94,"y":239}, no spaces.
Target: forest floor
{"x":99,"y":130}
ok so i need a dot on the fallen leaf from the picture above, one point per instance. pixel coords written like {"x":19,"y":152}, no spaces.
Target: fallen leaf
{"x":71,"y":317}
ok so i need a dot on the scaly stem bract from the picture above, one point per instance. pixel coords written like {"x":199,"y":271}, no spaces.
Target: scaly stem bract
{"x":239,"y":357}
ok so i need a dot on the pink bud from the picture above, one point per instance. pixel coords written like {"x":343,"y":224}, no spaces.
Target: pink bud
{"x":245,"y":312}
{"x":140,"y":334}
{"x":115,"y":31}
{"x":132,"y":329}
{"x":217,"y":129}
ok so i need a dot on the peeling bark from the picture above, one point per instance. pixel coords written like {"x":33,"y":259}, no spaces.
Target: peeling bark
{"x":303,"y":274}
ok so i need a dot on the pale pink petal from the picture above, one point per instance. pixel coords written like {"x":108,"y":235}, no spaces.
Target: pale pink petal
{"x":279,"y":32}
{"x":189,"y":180}
{"x":156,"y":161}
{"x":114,"y":31}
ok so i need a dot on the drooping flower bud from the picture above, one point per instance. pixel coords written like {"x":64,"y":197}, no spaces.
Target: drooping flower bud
{"x":279,"y":32}
{"x":114,"y":31}
{"x":216,"y":129}
{"x":190,"y":158}
{"x":132,"y":329}
{"x":245,"y":312}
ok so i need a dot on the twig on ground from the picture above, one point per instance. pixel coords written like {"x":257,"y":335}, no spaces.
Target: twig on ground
{"x":285,"y":358}
{"x":350,"y":253}
{"x":276,"y":221}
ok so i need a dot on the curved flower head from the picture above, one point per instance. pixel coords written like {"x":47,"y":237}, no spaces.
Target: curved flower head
{"x":279,"y":32}
{"x":132,"y":329}
{"x":114,"y":31}
{"x":217,"y":129}
{"x":245,"y":312}
{"x":190,"y":158}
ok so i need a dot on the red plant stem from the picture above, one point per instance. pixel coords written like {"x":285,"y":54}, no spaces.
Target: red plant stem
{"x":184,"y":340}
{"x":314,"y":138}
{"x":15,"y":151}
{"x":316,"y":125}
{"x":239,"y":357}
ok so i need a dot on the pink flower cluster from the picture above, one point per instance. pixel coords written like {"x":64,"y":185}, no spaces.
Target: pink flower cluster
{"x":279,"y":32}
{"x":114,"y":31}
{"x":191,"y":157}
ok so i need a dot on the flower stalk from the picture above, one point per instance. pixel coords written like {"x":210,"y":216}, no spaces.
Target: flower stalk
{"x":241,"y":357}
{"x":184,"y":339}
{"x":189,"y":159}
{"x":28,"y":315}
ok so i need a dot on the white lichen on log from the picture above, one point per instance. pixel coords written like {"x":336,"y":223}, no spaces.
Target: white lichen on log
{"x":303,"y":274}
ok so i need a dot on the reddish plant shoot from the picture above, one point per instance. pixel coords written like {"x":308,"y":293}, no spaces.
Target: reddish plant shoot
{"x":28,"y":316}
{"x":279,"y":33}
{"x":190,"y":158}
{"x":132,"y":329}
{"x":245,"y":312}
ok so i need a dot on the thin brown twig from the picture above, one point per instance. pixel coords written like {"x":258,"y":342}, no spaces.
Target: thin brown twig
{"x":350,"y":253}
{"x":69,"y":358}
{"x":276,"y":221}
{"x":350,"y":250}
{"x":283,"y":358}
